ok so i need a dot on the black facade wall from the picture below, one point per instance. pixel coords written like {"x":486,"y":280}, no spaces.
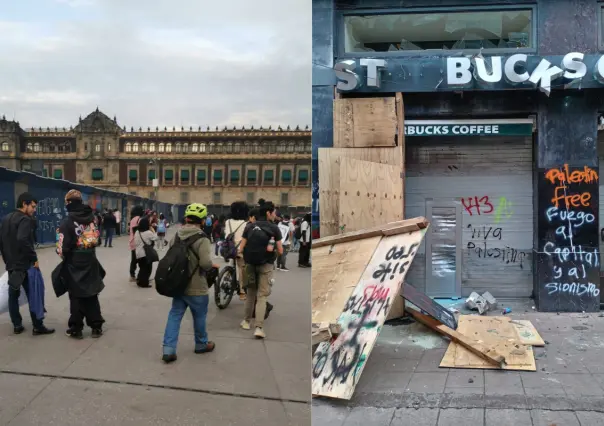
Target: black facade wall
{"x":566,"y":129}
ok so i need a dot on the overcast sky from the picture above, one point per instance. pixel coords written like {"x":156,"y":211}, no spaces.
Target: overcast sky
{"x":157,"y":62}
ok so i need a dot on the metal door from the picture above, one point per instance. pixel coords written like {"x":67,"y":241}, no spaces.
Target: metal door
{"x":443,"y":250}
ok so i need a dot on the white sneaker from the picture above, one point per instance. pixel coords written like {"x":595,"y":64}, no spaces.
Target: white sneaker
{"x":259,"y":333}
{"x":245,"y":325}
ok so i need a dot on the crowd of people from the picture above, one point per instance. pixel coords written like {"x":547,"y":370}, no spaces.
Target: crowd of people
{"x":258,"y":239}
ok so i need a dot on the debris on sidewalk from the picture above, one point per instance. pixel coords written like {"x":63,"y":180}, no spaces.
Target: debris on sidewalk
{"x":356,"y":285}
{"x":483,"y":303}
{"x":324,"y":332}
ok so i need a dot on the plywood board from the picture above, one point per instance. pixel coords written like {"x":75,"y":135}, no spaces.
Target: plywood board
{"x":370,"y":194}
{"x":497,"y":332}
{"x":336,"y":271}
{"x":338,"y":365}
{"x":391,"y":228}
{"x":400,"y":123}
{"x":329,"y":179}
{"x":527,"y":333}
{"x":364,"y":122}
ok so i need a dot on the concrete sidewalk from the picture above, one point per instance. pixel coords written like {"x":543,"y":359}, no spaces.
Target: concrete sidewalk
{"x":119,"y":379}
{"x":403,"y":385}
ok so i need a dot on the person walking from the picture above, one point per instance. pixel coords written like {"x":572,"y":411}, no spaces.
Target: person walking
{"x":287,"y":232}
{"x":259,"y":243}
{"x":196,"y":296}
{"x":304,"y":254}
{"x":135,"y":216}
{"x":81,"y":270}
{"x":118,"y":222}
{"x":218,"y":233}
{"x":19,"y":255}
{"x":144,"y":236}
{"x":162,"y":227}
{"x":109,"y":225}
{"x":234,"y":228}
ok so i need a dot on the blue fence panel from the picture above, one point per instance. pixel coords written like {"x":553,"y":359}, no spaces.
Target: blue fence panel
{"x":50,"y":210}
{"x":7,"y":198}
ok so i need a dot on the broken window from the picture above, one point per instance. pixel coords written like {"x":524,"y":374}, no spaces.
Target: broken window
{"x":487,"y":29}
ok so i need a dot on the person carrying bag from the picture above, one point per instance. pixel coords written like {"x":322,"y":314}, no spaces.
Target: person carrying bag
{"x":145,"y":253}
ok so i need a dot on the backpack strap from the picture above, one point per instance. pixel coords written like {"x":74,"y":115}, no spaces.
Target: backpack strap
{"x":189,"y":242}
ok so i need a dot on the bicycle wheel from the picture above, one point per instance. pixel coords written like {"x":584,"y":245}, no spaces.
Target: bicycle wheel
{"x":224,"y":287}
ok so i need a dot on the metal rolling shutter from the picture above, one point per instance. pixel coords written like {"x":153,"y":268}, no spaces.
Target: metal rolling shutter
{"x":448,"y":177}
{"x":601,"y":184}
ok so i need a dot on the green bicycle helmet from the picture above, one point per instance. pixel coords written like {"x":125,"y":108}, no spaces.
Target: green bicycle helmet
{"x":196,"y":210}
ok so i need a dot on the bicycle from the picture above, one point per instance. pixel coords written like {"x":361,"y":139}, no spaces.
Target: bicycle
{"x":226,"y":285}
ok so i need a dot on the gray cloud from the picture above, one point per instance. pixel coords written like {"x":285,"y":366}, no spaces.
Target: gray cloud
{"x":159,"y":63}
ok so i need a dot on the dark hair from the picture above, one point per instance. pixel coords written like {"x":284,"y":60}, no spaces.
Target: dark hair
{"x":265,"y":208}
{"x":308,"y":217}
{"x":287,"y":217}
{"x":161,"y":215}
{"x":137,"y":211}
{"x":26,"y":199}
{"x":253,"y":213}
{"x":239,"y":210}
{"x":193,"y":219}
{"x":143,"y":224}
{"x":261,"y":201}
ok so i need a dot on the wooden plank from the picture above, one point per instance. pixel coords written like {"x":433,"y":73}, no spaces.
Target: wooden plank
{"x":324,"y":332}
{"x":329,"y":179}
{"x":335,"y":273}
{"x":388,"y":229}
{"x":370,"y":194}
{"x":495,"y":331}
{"x":400,"y":124}
{"x":338,"y":365}
{"x":364,"y":122}
{"x":527,"y":333}
{"x":485,"y":352}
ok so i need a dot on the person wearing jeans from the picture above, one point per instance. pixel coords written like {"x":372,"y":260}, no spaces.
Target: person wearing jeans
{"x":196,"y":295}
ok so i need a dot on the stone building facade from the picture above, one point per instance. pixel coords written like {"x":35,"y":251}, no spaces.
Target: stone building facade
{"x":211,"y":166}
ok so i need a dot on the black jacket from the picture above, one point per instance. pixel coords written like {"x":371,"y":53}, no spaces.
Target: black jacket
{"x":82,"y":272}
{"x":109,"y":221}
{"x":17,"y":241}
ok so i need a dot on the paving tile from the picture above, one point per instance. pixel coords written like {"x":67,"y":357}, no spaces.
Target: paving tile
{"x":540,"y":383}
{"x":16,"y":392}
{"x":387,"y":381}
{"x":323,"y":414}
{"x":430,"y":361}
{"x":503,"y":383}
{"x":362,"y":416}
{"x":590,"y":418}
{"x":463,"y":416}
{"x":289,"y":362}
{"x":415,"y":417}
{"x":549,"y":418}
{"x":507,"y":417}
{"x":465,"y":379}
{"x":580,"y":385}
{"x":464,"y":391}
{"x":427,"y":382}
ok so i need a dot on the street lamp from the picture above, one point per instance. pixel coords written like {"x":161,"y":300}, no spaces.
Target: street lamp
{"x":155,"y":161}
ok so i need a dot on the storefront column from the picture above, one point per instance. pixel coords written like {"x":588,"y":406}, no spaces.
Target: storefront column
{"x":567,"y":261}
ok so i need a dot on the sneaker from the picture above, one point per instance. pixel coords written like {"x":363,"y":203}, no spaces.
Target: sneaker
{"x":96,"y":333}
{"x":259,"y":333}
{"x":18,"y":329}
{"x":42,"y":330}
{"x":74,"y":334}
{"x":132,"y":279}
{"x":245,"y":325}
{"x":242,"y":296}
{"x":284,"y":269}
{"x":169,"y":358}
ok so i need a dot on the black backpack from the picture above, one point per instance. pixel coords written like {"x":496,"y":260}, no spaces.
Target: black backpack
{"x":255,"y":252}
{"x":173,"y":275}
{"x":298,"y":232}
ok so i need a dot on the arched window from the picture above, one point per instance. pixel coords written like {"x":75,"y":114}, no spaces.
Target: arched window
{"x":5,"y":147}
{"x":161,"y":147}
{"x":128,"y":147}
{"x":273,"y":148}
{"x":168,"y":147}
{"x":211,"y":148}
{"x":151,"y":147}
{"x":247,"y":148}
{"x":281,"y":147}
{"x":144,"y":147}
{"x":300,"y":147}
{"x":237,"y":148}
{"x":135,"y":147}
{"x":229,"y":148}
{"x":185,"y":148}
{"x":97,"y":147}
{"x":37,"y":147}
{"x":46,"y":147}
{"x":177,"y":148}
{"x":202,"y":147}
{"x":264,"y":148}
{"x":256,"y":148}
{"x":309,"y":147}
{"x":30,"y":147}
{"x":290,"y":147}
{"x":194,"y":148}
{"x":219,"y":148}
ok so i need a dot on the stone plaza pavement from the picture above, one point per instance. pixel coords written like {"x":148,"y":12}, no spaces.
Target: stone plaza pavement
{"x":403,"y":385}
{"x":119,"y":379}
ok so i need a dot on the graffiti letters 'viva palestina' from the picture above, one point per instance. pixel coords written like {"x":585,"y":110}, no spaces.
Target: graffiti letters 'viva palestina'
{"x":487,"y":71}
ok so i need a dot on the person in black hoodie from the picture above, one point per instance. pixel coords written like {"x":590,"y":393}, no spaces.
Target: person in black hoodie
{"x":109,"y":224}
{"x":82,"y":272}
{"x":18,"y":253}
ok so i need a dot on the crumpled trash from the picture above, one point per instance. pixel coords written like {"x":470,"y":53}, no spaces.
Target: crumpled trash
{"x":483,"y":303}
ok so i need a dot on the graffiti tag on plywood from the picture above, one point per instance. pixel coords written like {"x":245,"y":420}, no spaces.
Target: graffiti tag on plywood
{"x":338,"y":365}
